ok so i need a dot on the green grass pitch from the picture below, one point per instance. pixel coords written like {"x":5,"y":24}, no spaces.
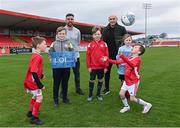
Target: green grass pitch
{"x":160,"y":85}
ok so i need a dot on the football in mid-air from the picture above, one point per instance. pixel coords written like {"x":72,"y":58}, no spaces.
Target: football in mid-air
{"x":128,"y":19}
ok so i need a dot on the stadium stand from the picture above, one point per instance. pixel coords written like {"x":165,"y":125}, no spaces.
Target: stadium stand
{"x":6,"y":41}
{"x":49,"y":40}
{"x":16,"y":29}
{"x":27,"y":39}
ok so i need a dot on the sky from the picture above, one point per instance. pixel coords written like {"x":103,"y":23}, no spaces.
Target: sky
{"x":162,"y":17}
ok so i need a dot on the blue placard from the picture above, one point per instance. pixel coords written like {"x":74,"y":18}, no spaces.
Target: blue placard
{"x":62,"y":59}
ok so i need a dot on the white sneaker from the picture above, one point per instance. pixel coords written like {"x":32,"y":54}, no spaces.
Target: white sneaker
{"x":90,"y":98}
{"x":147,"y":108}
{"x":99,"y":98}
{"x":125,"y":109}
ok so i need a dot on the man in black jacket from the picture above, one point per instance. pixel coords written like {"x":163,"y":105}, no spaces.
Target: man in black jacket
{"x":112,"y":35}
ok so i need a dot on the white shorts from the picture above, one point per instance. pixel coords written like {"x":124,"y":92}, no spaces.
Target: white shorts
{"x":35,"y":93}
{"x":132,"y":89}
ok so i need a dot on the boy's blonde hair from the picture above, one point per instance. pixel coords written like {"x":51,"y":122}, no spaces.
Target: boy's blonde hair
{"x":59,"y":29}
{"x":37,"y":40}
{"x":125,"y":37}
{"x":95,"y":29}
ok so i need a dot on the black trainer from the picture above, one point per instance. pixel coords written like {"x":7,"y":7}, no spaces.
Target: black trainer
{"x":29,"y":114}
{"x":80,"y":92}
{"x":36,"y":120}
{"x":66,"y":101}
{"x":105,"y":92}
{"x":56,"y":105}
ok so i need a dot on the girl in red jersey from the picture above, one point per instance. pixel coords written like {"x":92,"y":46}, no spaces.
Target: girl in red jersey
{"x":95,"y":51}
{"x":32,"y":81}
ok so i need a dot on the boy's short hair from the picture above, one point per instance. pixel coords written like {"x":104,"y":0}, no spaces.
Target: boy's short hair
{"x":125,"y":36}
{"x":69,"y":14}
{"x":59,"y":29}
{"x":37,"y":40}
{"x":141,"y":49}
{"x":95,"y":29}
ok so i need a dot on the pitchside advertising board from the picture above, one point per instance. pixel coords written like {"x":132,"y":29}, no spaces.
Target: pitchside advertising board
{"x":62,"y":59}
{"x":20,"y":50}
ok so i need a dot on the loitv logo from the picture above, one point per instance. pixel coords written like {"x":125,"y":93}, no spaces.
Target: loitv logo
{"x":59,"y":60}
{"x":63,"y":59}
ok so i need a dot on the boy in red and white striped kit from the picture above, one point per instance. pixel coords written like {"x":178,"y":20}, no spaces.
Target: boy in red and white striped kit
{"x":95,"y":51}
{"x":32,"y":82}
{"x":132,"y":78}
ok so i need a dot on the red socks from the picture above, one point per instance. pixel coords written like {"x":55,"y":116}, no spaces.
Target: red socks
{"x":36,"y":109}
{"x":31,"y":104}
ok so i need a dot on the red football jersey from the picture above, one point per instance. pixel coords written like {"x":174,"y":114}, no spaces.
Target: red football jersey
{"x":132,"y":68}
{"x":94,"y":54}
{"x":35,"y":65}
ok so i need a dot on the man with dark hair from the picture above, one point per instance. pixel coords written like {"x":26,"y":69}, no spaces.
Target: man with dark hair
{"x":74,"y":36}
{"x":112,"y":35}
{"x":69,"y":14}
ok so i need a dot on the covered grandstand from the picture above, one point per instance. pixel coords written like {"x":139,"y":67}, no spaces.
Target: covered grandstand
{"x":16,"y":30}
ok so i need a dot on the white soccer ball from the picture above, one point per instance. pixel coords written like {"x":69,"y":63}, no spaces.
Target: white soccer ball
{"x":128,"y":19}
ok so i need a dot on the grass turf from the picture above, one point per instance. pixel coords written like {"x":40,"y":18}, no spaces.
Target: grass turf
{"x":159,"y":85}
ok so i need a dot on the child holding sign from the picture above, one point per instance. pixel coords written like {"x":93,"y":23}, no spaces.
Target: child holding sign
{"x":60,"y":74}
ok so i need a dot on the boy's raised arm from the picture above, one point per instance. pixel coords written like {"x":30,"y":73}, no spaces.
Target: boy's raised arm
{"x":115,"y":61}
{"x":130,"y":63}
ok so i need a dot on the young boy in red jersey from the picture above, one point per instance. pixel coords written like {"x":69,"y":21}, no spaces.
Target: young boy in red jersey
{"x":95,"y":51}
{"x":32,"y":81}
{"x":132,"y":78}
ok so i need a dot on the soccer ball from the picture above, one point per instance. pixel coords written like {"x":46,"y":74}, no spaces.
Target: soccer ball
{"x":128,"y":19}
